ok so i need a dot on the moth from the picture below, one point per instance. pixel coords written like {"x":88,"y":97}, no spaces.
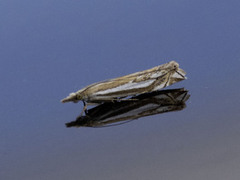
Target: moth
{"x":118,"y":89}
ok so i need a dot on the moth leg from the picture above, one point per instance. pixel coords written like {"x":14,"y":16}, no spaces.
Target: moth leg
{"x":84,"y":109}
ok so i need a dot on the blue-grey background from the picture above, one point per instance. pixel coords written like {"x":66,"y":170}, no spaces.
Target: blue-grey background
{"x":50,"y":48}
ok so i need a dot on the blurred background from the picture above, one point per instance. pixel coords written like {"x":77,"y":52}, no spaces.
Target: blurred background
{"x":50,"y":48}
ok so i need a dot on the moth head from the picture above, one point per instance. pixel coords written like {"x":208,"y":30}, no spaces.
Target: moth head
{"x":73,"y":97}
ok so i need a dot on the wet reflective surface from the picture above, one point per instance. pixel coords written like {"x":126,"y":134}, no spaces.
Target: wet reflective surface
{"x":50,"y":48}
{"x":116,"y":113}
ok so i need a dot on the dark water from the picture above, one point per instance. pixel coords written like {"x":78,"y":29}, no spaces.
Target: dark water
{"x":51,"y":48}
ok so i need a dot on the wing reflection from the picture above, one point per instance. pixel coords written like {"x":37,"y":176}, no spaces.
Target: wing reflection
{"x":115,"y":113}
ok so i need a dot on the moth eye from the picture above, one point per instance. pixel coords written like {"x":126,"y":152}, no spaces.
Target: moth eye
{"x":79,"y":96}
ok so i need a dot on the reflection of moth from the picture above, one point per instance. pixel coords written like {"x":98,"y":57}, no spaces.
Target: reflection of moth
{"x":133,"y":84}
{"x":115,"y":113}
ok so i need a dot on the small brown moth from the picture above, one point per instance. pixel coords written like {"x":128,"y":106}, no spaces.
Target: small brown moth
{"x":133,"y":84}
